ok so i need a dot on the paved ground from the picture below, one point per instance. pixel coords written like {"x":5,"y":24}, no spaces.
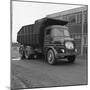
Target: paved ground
{"x":37,"y":73}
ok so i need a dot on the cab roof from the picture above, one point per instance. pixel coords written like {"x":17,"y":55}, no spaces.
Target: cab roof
{"x":57,"y":26}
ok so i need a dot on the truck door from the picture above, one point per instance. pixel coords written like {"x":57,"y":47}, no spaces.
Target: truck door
{"x":47,"y":39}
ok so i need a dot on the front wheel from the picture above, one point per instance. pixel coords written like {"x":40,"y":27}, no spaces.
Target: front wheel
{"x":71,"y":59}
{"x":51,"y":57}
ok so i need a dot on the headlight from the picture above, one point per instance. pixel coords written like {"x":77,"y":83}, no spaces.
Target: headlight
{"x":63,"y":50}
{"x":69,"y":45}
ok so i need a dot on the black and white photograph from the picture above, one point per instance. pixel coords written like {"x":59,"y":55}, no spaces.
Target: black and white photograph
{"x":49,"y":44}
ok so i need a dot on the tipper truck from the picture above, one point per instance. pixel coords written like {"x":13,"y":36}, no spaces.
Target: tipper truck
{"x":47,"y":37}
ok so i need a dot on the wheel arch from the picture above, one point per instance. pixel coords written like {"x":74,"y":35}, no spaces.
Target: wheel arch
{"x":50,"y":47}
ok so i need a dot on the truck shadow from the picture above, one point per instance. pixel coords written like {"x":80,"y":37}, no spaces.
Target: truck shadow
{"x":63,"y":63}
{"x":59,"y":62}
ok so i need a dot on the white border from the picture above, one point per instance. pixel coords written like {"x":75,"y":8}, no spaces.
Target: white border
{"x":5,"y":45}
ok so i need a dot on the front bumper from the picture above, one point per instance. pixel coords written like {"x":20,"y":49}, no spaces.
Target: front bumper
{"x":64,"y":55}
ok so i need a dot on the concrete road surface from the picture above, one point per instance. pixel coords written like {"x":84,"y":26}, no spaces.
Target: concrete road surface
{"x":37,"y":73}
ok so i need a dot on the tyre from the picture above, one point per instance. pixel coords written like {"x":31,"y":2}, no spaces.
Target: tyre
{"x":28,"y":53}
{"x":21,"y":52}
{"x":51,"y":57}
{"x":71,"y":59}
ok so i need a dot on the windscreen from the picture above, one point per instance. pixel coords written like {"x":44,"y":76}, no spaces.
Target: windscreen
{"x":58,"y":34}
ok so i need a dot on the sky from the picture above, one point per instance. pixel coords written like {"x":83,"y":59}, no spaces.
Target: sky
{"x":24,"y":13}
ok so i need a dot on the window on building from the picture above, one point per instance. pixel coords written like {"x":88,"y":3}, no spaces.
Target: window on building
{"x":72,"y":19}
{"x":79,"y":17}
{"x":85,"y":16}
{"x":65,"y":17}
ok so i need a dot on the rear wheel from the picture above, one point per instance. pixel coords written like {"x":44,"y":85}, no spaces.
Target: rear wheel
{"x":27,"y":55}
{"x":27,"y":52}
{"x":71,"y":59}
{"x":21,"y":52}
{"x":51,"y":57}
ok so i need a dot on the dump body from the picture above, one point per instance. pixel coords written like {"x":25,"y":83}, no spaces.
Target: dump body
{"x":33,"y":34}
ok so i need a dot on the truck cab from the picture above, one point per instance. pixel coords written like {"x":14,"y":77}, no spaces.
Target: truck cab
{"x":59,"y":44}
